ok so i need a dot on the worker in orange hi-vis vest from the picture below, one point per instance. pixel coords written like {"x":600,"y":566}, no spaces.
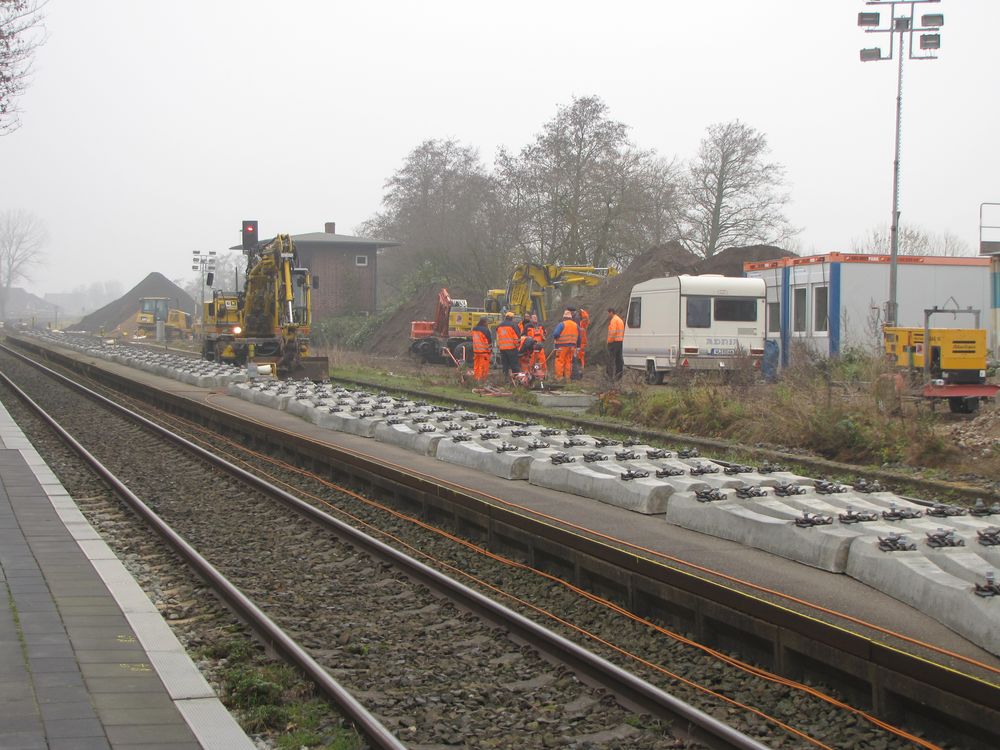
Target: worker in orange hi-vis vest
{"x":584,"y":323}
{"x":566,"y":336}
{"x":482,"y":348}
{"x":538,"y":334}
{"x":508,"y":337}
{"x":616,"y":336}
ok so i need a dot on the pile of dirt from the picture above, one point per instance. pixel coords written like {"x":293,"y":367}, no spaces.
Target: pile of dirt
{"x":729,"y":262}
{"x":121,"y":312}
{"x":393,"y":335}
{"x":671,"y":259}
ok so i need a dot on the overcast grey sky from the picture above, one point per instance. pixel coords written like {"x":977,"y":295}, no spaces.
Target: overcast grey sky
{"x":152,"y":129}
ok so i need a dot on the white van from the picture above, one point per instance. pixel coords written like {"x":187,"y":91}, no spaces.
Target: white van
{"x":693,"y":323}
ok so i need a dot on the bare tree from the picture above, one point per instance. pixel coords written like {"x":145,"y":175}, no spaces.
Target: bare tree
{"x":22,"y":236}
{"x":731,"y":195}
{"x":582,"y":193}
{"x":20,"y":22}
{"x":440,"y":204}
{"x":912,"y":241}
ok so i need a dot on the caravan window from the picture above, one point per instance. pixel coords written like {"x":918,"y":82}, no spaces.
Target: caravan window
{"x":699,"y":312}
{"x":635,"y":312}
{"x":736,"y":309}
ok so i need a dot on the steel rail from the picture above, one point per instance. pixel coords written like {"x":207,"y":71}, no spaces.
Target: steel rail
{"x":634,"y":690}
{"x":244,"y":608}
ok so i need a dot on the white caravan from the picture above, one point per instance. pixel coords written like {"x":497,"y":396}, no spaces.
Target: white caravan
{"x":693,"y":323}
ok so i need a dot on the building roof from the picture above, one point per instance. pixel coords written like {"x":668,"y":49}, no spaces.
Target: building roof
{"x":906,"y":260}
{"x":328,"y":239}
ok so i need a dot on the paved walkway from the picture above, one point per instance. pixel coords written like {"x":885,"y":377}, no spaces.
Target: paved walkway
{"x":86,"y":661}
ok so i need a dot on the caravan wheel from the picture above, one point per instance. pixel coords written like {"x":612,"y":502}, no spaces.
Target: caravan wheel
{"x":652,"y":376}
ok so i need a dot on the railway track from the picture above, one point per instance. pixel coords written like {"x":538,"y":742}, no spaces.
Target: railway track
{"x":444,"y":650}
{"x":821,"y":720}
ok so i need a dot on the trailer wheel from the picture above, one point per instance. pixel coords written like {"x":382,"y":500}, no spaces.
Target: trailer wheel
{"x":652,"y":376}
{"x":461,"y":351}
{"x":963,"y":404}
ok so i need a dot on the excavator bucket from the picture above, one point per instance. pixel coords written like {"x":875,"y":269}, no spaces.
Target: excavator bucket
{"x":316,"y":369}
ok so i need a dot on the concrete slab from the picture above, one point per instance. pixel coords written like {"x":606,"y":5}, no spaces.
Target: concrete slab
{"x":913,"y":578}
{"x":647,"y":496}
{"x":824,"y":547}
{"x":513,"y":465}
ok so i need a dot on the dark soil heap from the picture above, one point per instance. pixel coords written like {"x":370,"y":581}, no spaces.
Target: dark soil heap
{"x":121,"y":312}
{"x":393,"y":335}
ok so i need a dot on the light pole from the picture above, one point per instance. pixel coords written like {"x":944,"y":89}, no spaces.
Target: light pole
{"x":905,"y":26}
{"x":205,"y":262}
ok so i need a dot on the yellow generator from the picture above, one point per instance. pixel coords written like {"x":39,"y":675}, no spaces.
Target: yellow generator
{"x":954,"y":365}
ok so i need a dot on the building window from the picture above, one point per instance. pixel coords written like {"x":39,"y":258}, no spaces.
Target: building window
{"x":361,"y":260}
{"x":635,"y":312}
{"x":799,"y":310}
{"x":774,"y":317}
{"x":821,"y":309}
{"x":699,"y":312}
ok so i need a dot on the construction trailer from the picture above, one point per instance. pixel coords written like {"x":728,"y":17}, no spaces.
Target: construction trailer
{"x":836,"y":301}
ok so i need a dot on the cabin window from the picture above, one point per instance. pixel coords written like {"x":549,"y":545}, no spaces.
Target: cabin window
{"x":736,"y":309}
{"x":774,"y":317}
{"x":635,"y":313}
{"x":699,"y":312}
{"x":821,"y":311}
{"x":361,"y":260}
{"x":799,"y":310}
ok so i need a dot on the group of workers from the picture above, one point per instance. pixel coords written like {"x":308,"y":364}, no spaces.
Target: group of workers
{"x":522,"y":345}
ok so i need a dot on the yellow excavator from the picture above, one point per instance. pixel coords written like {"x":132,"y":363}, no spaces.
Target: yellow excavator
{"x":267,"y":324}
{"x":155,"y":310}
{"x":530,"y":286}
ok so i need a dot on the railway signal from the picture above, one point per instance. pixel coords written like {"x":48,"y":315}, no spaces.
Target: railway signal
{"x":249,"y":235}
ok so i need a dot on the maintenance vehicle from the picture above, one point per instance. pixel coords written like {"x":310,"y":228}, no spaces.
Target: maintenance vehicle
{"x":267,"y":323}
{"x":155,"y":312}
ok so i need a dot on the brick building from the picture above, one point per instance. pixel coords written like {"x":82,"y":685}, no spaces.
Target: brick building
{"x":347,"y":269}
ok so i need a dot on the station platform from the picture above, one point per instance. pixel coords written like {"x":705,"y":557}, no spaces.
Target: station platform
{"x":86,"y":660}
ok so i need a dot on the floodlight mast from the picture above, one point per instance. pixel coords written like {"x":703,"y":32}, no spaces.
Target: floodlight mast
{"x":902,"y":25}
{"x":205,"y":262}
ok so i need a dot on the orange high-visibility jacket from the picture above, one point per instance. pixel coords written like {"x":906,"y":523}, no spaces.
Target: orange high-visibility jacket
{"x":480,"y":342}
{"x":569,"y":335}
{"x":507,"y":336}
{"x":616,"y":329}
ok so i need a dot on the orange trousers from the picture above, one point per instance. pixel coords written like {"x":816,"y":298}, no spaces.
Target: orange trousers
{"x":564,"y":362}
{"x":481,"y":366}
{"x":581,"y":351}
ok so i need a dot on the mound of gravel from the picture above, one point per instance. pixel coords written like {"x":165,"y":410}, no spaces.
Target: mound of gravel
{"x":121,"y":312}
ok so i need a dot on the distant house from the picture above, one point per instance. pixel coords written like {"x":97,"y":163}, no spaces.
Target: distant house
{"x":346,"y":268}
